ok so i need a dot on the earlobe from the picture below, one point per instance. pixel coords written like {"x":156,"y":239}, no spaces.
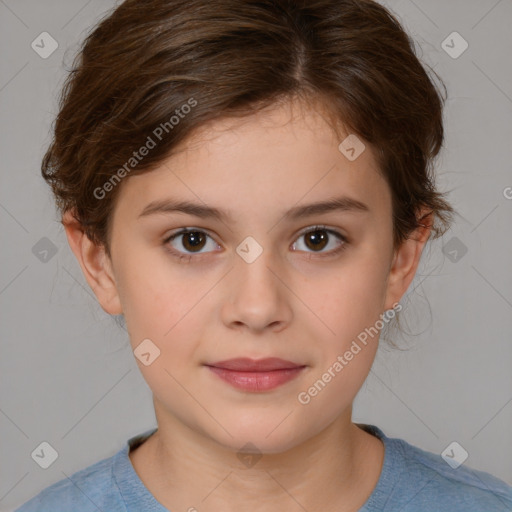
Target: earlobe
{"x":95,"y":264}
{"x":405,"y":262}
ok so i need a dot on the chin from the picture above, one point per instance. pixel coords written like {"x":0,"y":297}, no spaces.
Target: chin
{"x":268,"y":437}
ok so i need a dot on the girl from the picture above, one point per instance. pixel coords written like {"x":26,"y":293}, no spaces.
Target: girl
{"x":249,"y":183}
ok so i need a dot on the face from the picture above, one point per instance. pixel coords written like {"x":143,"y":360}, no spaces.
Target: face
{"x":264,"y":279}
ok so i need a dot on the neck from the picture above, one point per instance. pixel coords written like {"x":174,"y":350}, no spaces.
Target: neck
{"x":336,"y":469}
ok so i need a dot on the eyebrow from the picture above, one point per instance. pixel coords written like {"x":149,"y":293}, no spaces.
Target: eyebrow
{"x":166,"y":206}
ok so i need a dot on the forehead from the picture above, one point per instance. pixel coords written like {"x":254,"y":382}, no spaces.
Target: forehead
{"x":281,"y":157}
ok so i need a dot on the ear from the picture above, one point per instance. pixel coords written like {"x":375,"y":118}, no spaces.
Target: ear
{"x":406,"y":259}
{"x":96,"y":265}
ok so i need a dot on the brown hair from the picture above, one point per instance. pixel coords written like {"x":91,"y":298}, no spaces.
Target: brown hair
{"x":149,"y":59}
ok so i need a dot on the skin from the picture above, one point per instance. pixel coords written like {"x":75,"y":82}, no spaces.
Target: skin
{"x":292,"y":302}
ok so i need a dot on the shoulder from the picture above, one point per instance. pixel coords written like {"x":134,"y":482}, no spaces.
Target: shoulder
{"x":462,"y":488}
{"x":90,"y":489}
{"x":416,"y":480}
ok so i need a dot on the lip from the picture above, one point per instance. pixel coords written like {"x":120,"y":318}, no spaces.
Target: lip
{"x":256,"y":375}
{"x":246,"y":364}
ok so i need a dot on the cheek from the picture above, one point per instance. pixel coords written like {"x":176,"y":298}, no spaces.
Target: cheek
{"x":165,"y":304}
{"x":350,"y":307}
{"x":350,"y":298}
{"x":161,"y":309}
{"x":149,"y":289}
{"x":165,"y":309}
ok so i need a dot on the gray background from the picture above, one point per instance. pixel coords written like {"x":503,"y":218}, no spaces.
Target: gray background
{"x":68,"y":376}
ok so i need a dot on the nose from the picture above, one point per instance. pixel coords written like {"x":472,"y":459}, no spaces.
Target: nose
{"x":258,"y":297}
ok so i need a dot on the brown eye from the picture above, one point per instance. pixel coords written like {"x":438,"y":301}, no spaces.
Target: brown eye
{"x":189,"y":241}
{"x":193,"y":240}
{"x":318,"y":238}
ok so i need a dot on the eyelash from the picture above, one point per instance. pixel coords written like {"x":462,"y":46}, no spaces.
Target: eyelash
{"x":334,"y":252}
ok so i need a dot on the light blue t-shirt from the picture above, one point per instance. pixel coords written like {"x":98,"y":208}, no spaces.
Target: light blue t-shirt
{"x":411,"y":480}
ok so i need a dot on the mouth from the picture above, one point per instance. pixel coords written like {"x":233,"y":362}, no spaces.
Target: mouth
{"x":256,"y":375}
{"x":245,"y":364}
